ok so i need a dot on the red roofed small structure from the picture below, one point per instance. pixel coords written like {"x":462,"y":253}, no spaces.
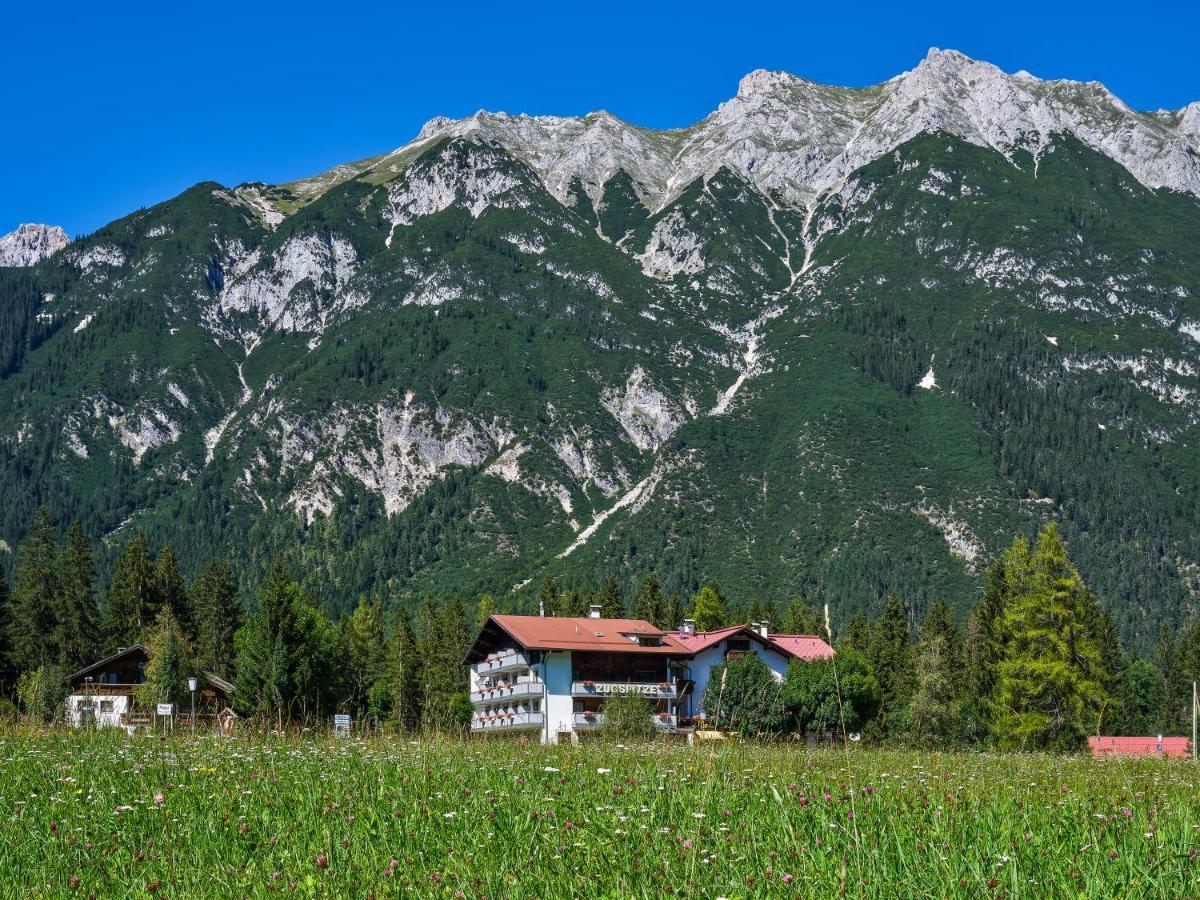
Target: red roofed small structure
{"x":1152,"y":745}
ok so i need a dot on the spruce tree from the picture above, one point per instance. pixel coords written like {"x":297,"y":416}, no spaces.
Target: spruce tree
{"x":650,"y":605}
{"x":934,"y":709}
{"x":169,"y":663}
{"x":1143,"y":707}
{"x":404,"y":664}
{"x":548,"y":599}
{"x":132,"y":595}
{"x":364,"y":655}
{"x":78,"y":614}
{"x":444,"y":639}
{"x":1166,"y":660}
{"x":8,"y":674}
{"x":217,"y":618}
{"x":1049,"y":692}
{"x":674,"y":612}
{"x":709,"y":608}
{"x":170,"y":590}
{"x":800,"y":619}
{"x":610,"y":599}
{"x":890,"y":657}
{"x":35,"y":596}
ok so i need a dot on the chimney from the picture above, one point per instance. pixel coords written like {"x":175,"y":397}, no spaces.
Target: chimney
{"x":764,"y":628}
{"x":688,"y":627}
{"x":594,"y":611}
{"x":541,"y":607}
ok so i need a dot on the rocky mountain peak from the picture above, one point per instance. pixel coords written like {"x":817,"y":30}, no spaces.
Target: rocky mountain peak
{"x":29,"y":244}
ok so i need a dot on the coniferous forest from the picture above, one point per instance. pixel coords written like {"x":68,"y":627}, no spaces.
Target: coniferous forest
{"x":1036,"y":663}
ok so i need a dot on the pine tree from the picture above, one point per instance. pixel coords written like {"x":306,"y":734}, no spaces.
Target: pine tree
{"x":934,"y":709}
{"x":35,"y":596}
{"x":8,"y":674}
{"x":169,"y":662}
{"x":799,"y":619}
{"x":287,"y":654}
{"x":217,"y":616}
{"x":857,"y":636}
{"x":650,"y":605}
{"x":549,"y":602}
{"x":1143,"y":707}
{"x":1049,"y":692}
{"x":674,"y":612}
{"x":404,"y":664}
{"x":484,"y":610}
{"x":78,"y":614}
{"x":983,"y":648}
{"x":444,"y":640}
{"x":571,"y":603}
{"x":170,"y":590}
{"x":364,"y":655}
{"x":132,"y":595}
{"x":709,"y":608}
{"x":1166,"y":660}
{"x":610,"y":599}
{"x":890,"y":657}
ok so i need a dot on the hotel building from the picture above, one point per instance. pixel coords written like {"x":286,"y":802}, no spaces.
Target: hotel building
{"x":552,"y":675}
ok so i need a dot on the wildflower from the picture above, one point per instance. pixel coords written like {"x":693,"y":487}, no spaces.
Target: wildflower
{"x":1112,"y":854}
{"x":787,"y":879}
{"x":73,"y":882}
{"x":159,"y":799}
{"x":603,"y":771}
{"x":869,"y":789}
{"x":687,"y":844}
{"x":322,"y":861}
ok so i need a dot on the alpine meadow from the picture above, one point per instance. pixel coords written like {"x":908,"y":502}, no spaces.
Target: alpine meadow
{"x":804,"y":501}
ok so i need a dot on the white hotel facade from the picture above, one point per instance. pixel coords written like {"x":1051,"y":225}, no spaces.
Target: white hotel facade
{"x":551,"y":676}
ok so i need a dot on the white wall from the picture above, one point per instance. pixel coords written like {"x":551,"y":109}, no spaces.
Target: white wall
{"x":120,"y":706}
{"x":559,"y":708}
{"x":704,"y":663}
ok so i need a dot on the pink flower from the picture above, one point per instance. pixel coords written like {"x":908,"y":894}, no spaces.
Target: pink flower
{"x":870,"y":790}
{"x":688,"y":845}
{"x":322,"y":861}
{"x":73,"y":882}
{"x":159,"y":798}
{"x":787,"y":879}
{"x":1112,"y":854}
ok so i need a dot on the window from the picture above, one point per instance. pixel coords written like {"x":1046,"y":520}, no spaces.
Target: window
{"x":106,"y":706}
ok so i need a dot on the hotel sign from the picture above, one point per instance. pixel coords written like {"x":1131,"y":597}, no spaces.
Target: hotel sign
{"x":624,"y":687}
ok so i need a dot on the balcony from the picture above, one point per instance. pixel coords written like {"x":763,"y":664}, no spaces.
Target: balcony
{"x":666,"y":722}
{"x":650,"y":690}
{"x":514,"y":722}
{"x":587,"y":719}
{"x":511,"y":692}
{"x":502,"y":662}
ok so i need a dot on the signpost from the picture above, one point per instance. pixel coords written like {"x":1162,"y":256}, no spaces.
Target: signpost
{"x":341,"y":725}
{"x":165,"y":709}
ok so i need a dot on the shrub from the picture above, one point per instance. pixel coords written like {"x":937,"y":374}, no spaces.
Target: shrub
{"x":627,"y":717}
{"x":743,"y":696}
{"x":43,"y":693}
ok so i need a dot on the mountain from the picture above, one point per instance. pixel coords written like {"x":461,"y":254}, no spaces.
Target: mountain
{"x":30,"y":244}
{"x":827,"y":341}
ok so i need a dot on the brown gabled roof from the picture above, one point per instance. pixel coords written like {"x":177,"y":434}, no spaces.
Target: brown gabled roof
{"x":136,"y":648}
{"x":571,"y":633}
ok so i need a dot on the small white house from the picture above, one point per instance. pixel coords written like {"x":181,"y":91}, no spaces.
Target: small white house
{"x":551,"y":676}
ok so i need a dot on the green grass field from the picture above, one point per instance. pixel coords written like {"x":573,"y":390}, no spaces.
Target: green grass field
{"x":106,"y":816}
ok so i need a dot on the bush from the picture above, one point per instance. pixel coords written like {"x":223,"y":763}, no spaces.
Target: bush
{"x":811,"y":692}
{"x":8,"y":713}
{"x":460,"y":712}
{"x":43,"y":693}
{"x":743,"y":696}
{"x":627,"y":717}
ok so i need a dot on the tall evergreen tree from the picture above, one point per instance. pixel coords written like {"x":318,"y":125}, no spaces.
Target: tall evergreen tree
{"x":444,"y":641}
{"x":934,"y":709}
{"x":890,"y":657}
{"x":170,"y":590}
{"x":364,"y":655}
{"x":857,"y":636}
{"x":169,"y":663}
{"x":709,"y":608}
{"x":1166,"y":659}
{"x":651,"y":605}
{"x":287,"y":654}
{"x":800,"y":619}
{"x":404,"y":672}
{"x":1143,"y":707}
{"x":217,"y":618}
{"x":35,"y":596}
{"x":1049,"y":692}
{"x":675,"y":611}
{"x":8,"y":673}
{"x":78,"y":614}
{"x":484,"y":610}
{"x":132,"y":595}
{"x":610,"y":599}
{"x":548,"y":599}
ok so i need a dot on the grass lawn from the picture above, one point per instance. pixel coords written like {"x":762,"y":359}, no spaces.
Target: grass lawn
{"x":108,"y":816}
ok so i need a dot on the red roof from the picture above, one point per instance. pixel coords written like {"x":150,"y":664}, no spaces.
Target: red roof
{"x":1138,"y":746}
{"x":568,"y":633}
{"x":808,"y":647}
{"x":799,"y":646}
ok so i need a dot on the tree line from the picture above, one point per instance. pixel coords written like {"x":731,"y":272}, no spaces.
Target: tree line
{"x":1037,"y":663}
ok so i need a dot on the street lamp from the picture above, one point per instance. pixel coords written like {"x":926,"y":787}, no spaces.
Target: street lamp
{"x":192,"y":688}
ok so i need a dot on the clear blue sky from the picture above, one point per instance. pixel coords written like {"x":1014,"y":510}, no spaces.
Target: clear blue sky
{"x":111,"y":106}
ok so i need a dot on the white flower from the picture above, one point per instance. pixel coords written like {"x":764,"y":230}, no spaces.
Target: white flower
{"x":449,"y":815}
{"x":603,"y":771}
{"x":549,"y":769}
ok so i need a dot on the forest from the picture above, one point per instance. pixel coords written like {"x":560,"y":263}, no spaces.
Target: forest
{"x":1036,"y":663}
